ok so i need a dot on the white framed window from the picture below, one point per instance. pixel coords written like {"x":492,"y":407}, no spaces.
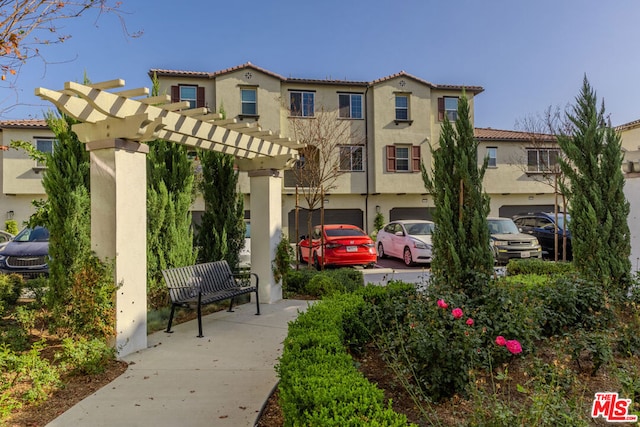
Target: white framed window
{"x":189,"y":94}
{"x":542,"y":159}
{"x":492,"y":155}
{"x":44,"y":145}
{"x":351,"y":158}
{"x":403,"y":158}
{"x":402,"y":107}
{"x":249,"y":99}
{"x":302,"y":103}
{"x":350,"y":105}
{"x":451,"y":108}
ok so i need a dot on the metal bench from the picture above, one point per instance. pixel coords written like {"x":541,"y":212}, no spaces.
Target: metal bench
{"x":201,"y":284}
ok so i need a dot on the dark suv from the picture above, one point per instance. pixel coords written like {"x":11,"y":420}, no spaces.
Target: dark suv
{"x":27,"y":254}
{"x":543,"y":226}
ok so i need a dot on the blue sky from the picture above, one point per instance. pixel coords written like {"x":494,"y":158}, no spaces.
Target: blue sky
{"x":528,"y":55}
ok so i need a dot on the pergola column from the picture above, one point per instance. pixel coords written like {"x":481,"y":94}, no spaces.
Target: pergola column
{"x":119,"y":231}
{"x":266,"y":229}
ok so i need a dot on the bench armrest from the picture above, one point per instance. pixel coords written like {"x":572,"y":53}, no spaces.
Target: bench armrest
{"x":246,"y":278}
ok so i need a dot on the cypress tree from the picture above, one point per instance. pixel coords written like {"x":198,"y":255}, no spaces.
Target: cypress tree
{"x":462,"y":259}
{"x":599,"y":210}
{"x":66,"y":183}
{"x":170,"y":185}
{"x":221,"y":233}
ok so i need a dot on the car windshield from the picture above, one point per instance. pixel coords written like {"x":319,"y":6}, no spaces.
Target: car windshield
{"x":38,"y":234}
{"x":339,"y":232}
{"x":419,"y":228}
{"x":502,"y":226}
{"x":561,"y":221}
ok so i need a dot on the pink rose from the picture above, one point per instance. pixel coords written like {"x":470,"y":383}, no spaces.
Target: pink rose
{"x":457,"y":313}
{"x":442,"y":304}
{"x":470,"y":321}
{"x":514,"y":346}
{"x":500,"y":340}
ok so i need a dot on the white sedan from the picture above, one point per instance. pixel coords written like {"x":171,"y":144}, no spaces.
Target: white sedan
{"x":408,"y":239}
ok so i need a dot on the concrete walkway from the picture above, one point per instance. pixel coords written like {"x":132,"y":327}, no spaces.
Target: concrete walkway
{"x":222,"y":379}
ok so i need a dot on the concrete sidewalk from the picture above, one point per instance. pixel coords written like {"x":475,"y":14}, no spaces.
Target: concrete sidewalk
{"x":222,"y":379}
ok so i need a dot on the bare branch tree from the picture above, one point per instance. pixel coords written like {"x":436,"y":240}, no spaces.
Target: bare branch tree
{"x":542,"y":153}
{"x":319,"y":167}
{"x":28,"y":25}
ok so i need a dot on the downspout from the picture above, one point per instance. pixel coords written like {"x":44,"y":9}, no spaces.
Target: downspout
{"x":366,"y":141}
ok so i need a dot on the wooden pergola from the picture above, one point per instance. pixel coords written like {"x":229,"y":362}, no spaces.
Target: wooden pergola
{"x":115,"y":124}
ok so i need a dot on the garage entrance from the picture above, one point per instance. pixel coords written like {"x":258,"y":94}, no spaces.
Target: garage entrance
{"x":411,"y":213}
{"x":331,"y":216}
{"x":508,"y":211}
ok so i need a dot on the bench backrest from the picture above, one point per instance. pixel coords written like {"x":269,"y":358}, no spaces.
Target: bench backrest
{"x":210,"y":277}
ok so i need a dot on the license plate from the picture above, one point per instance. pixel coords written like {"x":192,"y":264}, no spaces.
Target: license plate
{"x":525,"y":254}
{"x":352,"y":249}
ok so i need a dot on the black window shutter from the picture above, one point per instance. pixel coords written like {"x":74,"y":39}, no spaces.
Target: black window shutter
{"x":175,"y":94}
{"x":200,"y":97}
{"x":441,"y":109}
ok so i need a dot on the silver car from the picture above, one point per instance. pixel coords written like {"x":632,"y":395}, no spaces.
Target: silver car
{"x":508,"y":242}
{"x":408,"y":239}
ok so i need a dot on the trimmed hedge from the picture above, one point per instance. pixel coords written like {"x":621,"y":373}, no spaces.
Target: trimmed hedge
{"x":319,"y":384}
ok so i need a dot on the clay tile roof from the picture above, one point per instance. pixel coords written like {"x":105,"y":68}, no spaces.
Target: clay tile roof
{"x":24,"y":124}
{"x":489,"y":134}
{"x":207,"y":75}
{"x":629,"y":125}
{"x":326,"y":81}
{"x":179,"y":73}
{"x":473,"y":89}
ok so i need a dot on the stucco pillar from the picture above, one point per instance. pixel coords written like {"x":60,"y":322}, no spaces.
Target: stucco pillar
{"x":119,"y":231}
{"x":266,"y":229}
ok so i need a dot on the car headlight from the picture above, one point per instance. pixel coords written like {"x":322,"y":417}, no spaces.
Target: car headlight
{"x":420,"y":245}
{"x":500,"y":243}
{"x":2,"y":257}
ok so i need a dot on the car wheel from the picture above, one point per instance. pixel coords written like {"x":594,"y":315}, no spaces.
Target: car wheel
{"x":316,"y":261}
{"x":370,"y":265}
{"x":302,"y":261}
{"x":381,"y":253}
{"x":408,"y":259}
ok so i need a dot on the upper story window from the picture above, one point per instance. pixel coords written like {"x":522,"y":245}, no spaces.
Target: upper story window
{"x":448,"y":106}
{"x":193,"y":94}
{"x":542,"y":159}
{"x":402,"y":107}
{"x":403,"y":158}
{"x":249,"y":98}
{"x":492,"y":155}
{"x":189,"y":94}
{"x":44,"y":145}
{"x":350,"y":105}
{"x":302,"y":103}
{"x":351,"y":158}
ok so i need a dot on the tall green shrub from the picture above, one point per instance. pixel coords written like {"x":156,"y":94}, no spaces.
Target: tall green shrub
{"x":169,"y":233}
{"x":461,"y":236}
{"x":221,"y":233}
{"x":170,"y":189}
{"x":66,"y":182}
{"x":599,"y":209}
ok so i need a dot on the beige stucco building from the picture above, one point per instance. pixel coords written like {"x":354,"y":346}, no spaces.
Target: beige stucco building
{"x":393,"y":121}
{"x":21,"y":176}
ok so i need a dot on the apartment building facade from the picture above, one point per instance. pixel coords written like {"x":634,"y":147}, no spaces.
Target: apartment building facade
{"x":393,"y":123}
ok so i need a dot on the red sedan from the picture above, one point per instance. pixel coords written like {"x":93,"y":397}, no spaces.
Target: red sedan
{"x":344,"y":245}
